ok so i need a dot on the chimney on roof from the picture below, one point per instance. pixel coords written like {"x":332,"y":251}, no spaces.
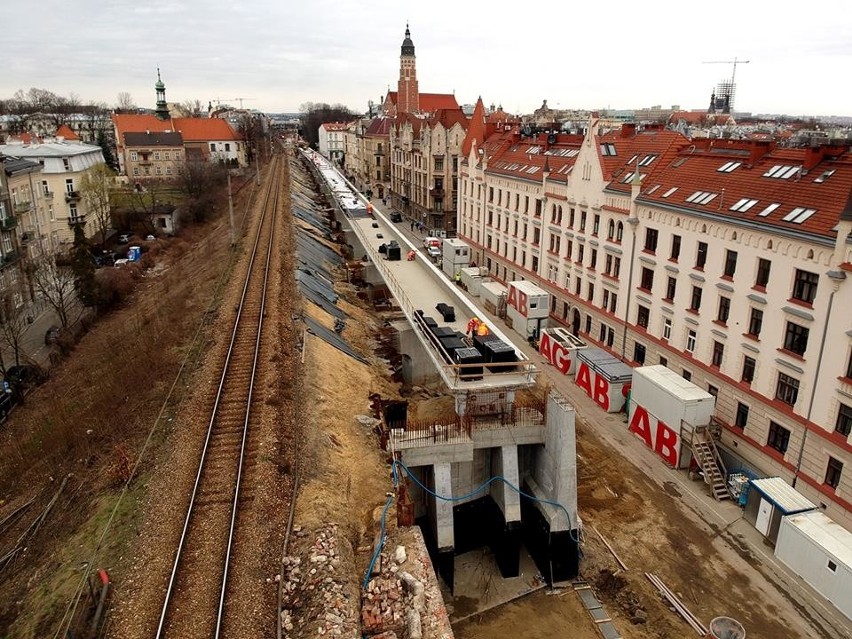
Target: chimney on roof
{"x":628,"y":129}
{"x":816,"y":154}
{"x":759,"y":148}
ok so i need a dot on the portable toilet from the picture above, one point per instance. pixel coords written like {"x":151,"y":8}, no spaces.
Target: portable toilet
{"x":134,"y":253}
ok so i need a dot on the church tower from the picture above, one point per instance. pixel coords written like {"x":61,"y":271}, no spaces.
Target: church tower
{"x":162,"y":110}
{"x":408,"y":95}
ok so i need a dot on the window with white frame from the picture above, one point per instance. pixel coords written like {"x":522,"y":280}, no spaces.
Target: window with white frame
{"x":691,"y":338}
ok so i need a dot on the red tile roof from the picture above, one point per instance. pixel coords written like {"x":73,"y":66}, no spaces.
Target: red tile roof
{"x":66,"y":132}
{"x":379,"y":127}
{"x":525,"y":157}
{"x":475,"y":130}
{"x":429,"y":102}
{"x":448,"y":118}
{"x":192,"y":129}
{"x":753,"y":182}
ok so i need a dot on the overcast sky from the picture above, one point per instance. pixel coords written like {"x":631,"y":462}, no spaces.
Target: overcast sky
{"x":279,"y":54}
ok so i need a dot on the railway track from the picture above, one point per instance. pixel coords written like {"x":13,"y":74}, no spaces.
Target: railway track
{"x":196,"y":599}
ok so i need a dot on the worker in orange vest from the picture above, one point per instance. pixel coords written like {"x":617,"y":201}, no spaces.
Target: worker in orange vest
{"x":482,"y":329}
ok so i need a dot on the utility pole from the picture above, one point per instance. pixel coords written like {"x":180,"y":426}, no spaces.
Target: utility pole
{"x":231,"y":212}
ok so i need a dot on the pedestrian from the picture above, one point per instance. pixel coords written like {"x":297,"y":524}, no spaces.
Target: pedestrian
{"x":412,"y":226}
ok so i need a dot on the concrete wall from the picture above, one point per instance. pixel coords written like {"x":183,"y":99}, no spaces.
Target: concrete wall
{"x":417,"y":367}
{"x":555,"y":469}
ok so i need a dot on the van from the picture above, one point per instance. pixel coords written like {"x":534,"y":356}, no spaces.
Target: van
{"x":432,"y":241}
{"x":396,"y":216}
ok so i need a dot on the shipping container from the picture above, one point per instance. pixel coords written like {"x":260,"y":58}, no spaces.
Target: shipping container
{"x":604,"y":378}
{"x":558,"y":345}
{"x":456,"y":256}
{"x":665,"y":409}
{"x":769,"y":500}
{"x":819,"y":550}
{"x":492,"y":293}
{"x":472,"y":278}
{"x":527,"y":327}
{"x":528,"y":300}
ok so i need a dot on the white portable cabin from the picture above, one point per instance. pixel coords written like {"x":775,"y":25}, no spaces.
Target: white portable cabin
{"x":492,"y":293}
{"x":769,"y":500}
{"x":819,"y":550}
{"x":456,"y":256}
{"x":559,"y":346}
{"x":659,"y":395}
{"x":528,"y":308}
{"x":472,"y":278}
{"x":604,"y":378}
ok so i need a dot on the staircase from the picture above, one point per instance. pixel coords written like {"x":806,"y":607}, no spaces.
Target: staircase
{"x":708,"y":458}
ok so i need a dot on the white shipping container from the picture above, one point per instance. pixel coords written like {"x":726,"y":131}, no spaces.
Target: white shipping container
{"x":492,"y":292}
{"x":456,"y":256}
{"x":670,"y":397}
{"x":472,"y":279}
{"x":603,"y":377}
{"x":528,"y":299}
{"x":559,"y":346}
{"x":819,"y":550}
{"x":526,"y":327}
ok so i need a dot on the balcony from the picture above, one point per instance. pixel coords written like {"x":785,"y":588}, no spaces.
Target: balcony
{"x":72,"y":196}
{"x":22,"y":207}
{"x":48,"y":195}
{"x":10,"y":258}
{"x":76,"y":220}
{"x":8,"y":223}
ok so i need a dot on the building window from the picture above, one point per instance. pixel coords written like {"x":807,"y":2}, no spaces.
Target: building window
{"x":643,"y":316}
{"x":156,"y":155}
{"x":796,"y":338}
{"x":596,"y":224}
{"x":687,"y":375}
{"x":581,"y":251}
{"x":69,"y":185}
{"x":610,"y":230}
{"x":651,"y":237}
{"x":787,"y":389}
{"x":695,"y":302}
{"x":755,"y":323}
{"x":675,"y":254}
{"x":571,"y":217}
{"x":212,"y":147}
{"x":779,"y":437}
{"x":639,"y":353}
{"x":844,"y":420}
{"x":667,"y":328}
{"x":805,"y":286}
{"x":741,"y":417}
{"x":701,"y":255}
{"x":718,"y":353}
{"x":833,"y":472}
{"x":748,"y":369}
{"x":582,"y":220}
{"x":134,"y":156}
{"x":663,"y":361}
{"x":849,"y":367}
{"x":691,"y":338}
{"x":569,"y":249}
{"x":730,"y":263}
{"x":588,"y":324}
{"x":724,"y":309}
{"x":712,"y":390}
{"x":593,"y":259}
{"x":671,"y":287}
{"x":647,"y":282}
{"x":763,"y":268}
{"x":591,"y":292}
{"x":619,"y":231}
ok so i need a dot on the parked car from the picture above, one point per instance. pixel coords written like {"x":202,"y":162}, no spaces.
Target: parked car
{"x":150,"y":238}
{"x":24,"y":375}
{"x":434,"y":252}
{"x":51,"y":335}
{"x":396,"y":216}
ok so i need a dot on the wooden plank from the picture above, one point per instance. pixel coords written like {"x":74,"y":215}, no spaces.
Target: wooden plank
{"x":614,"y":554}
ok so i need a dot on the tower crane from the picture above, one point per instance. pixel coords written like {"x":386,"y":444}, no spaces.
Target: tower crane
{"x":733,"y":62}
{"x":220,"y":100}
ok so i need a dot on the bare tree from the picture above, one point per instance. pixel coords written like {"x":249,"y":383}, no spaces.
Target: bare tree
{"x":13,"y":322}
{"x":193,"y":108}
{"x":125,"y":102}
{"x":55,"y":282}
{"x":138,"y":205}
{"x":201,"y":182}
{"x":95,"y":187}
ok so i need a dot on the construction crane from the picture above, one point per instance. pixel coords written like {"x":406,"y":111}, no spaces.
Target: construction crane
{"x":734,"y":62}
{"x":220,"y":100}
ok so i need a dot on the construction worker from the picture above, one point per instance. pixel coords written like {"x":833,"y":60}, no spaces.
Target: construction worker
{"x":458,"y":278}
{"x":481,"y":329}
{"x":472,"y":325}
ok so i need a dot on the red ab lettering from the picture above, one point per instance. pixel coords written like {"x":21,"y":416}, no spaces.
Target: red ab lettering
{"x":555,"y":353}
{"x":664,"y":441}
{"x":518,"y":300}
{"x":601,"y":390}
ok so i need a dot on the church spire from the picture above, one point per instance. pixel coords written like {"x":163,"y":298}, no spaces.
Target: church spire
{"x":408,"y":92}
{"x":162,"y":110}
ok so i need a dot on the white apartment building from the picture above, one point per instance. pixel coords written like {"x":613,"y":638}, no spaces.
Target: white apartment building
{"x":332,"y":140}
{"x":724,"y":260}
{"x":55,"y":200}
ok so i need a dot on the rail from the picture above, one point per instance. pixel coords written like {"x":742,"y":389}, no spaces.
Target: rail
{"x":219,"y":432}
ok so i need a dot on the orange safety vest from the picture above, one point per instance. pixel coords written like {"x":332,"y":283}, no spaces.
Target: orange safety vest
{"x":482,"y":329}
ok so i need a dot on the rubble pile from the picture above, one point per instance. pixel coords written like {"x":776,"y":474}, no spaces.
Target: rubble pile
{"x":317,"y":594}
{"x":393,"y":604}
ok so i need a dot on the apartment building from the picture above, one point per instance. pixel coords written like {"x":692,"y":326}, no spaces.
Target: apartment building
{"x":331,"y":140}
{"x":55,"y":201}
{"x":724,"y":260}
